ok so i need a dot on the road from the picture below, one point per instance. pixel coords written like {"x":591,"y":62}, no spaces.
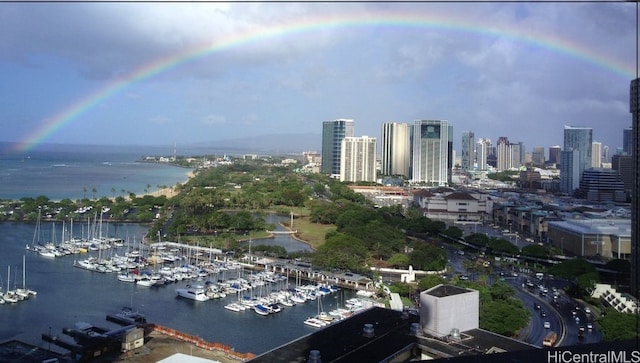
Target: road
{"x":560,"y":312}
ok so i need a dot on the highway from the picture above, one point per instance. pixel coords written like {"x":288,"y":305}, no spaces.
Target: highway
{"x":560,"y":312}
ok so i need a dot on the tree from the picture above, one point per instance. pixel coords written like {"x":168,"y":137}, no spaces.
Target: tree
{"x":619,"y":326}
{"x":399,"y":260}
{"x":430,"y":281}
{"x":453,"y":232}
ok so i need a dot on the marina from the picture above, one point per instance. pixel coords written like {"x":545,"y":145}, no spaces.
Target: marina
{"x":67,"y":294}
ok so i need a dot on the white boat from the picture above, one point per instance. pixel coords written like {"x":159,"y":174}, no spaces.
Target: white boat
{"x":234,"y":307}
{"x":197,"y":293}
{"x":315,"y":322}
{"x":24,"y":291}
{"x":126,"y":277}
{"x":45,"y":252}
{"x":145,"y":280}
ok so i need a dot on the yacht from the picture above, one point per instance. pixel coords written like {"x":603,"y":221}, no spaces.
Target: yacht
{"x":315,"y":322}
{"x":197,"y":293}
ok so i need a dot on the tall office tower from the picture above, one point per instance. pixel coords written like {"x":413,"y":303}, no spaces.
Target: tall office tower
{"x":627,"y":140}
{"x":606,"y":157}
{"x":569,"y":171}
{"x":634,"y":106}
{"x":503,"y":153}
{"x":554,"y":154}
{"x":537,"y":155}
{"x":579,"y":139}
{"x":358,"y":159}
{"x":396,"y":149}
{"x":482,"y":151}
{"x":332,"y":134}
{"x":596,"y":154}
{"x":432,"y":149}
{"x":517,"y":155}
{"x":468,"y":156}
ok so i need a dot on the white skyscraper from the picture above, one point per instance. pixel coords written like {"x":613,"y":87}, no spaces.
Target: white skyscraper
{"x":396,"y":149}
{"x":482,"y":151}
{"x":596,"y":154}
{"x":432,"y":149}
{"x":358,"y":159}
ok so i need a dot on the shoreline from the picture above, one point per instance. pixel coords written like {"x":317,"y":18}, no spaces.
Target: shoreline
{"x":170,"y":192}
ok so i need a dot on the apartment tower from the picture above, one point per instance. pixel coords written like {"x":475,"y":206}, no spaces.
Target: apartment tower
{"x":358,"y":159}
{"x":432,"y":152}
{"x":332,"y":134}
{"x":396,"y":149}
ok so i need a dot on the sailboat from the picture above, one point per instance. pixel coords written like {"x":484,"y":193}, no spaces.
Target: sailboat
{"x":9,"y":296}
{"x":24,"y":292}
{"x":322,"y":319}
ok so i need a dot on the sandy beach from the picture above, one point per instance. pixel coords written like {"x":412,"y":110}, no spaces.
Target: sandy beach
{"x":171,"y":191}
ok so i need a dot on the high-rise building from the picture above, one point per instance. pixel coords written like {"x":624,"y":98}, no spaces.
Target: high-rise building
{"x":468,"y":156}
{"x":482,"y":151}
{"x":517,"y":154}
{"x":569,"y":170}
{"x":576,"y":139}
{"x":504,"y":153}
{"x":396,"y":149}
{"x":332,"y":134}
{"x":358,"y":159}
{"x":627,"y":140}
{"x":537,"y":155}
{"x":634,"y":108}
{"x":554,"y":154}
{"x":596,"y":154}
{"x":623,"y":165}
{"x":432,"y":152}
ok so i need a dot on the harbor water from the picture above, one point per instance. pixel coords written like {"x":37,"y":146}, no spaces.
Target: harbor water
{"x":67,"y":294}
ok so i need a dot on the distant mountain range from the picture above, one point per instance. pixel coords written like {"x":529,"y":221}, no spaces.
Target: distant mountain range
{"x":276,"y":144}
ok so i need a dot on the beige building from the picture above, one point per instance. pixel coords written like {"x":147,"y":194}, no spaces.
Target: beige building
{"x":358,"y":159}
{"x":453,"y":207}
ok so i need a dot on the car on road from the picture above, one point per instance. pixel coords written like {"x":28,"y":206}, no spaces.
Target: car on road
{"x":547,"y":325}
{"x":589,"y":326}
{"x":587,"y":310}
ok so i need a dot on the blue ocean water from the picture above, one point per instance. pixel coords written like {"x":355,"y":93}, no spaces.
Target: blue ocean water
{"x":79,"y":171}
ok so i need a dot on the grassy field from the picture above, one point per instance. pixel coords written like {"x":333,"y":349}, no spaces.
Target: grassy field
{"x":312,"y":233}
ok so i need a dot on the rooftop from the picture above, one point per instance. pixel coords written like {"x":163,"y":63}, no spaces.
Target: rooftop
{"x":446,"y":290}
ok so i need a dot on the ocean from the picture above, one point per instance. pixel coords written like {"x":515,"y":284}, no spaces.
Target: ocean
{"x":67,"y":294}
{"x":79,"y":171}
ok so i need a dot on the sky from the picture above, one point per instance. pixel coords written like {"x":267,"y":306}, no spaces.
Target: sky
{"x":187,"y":73}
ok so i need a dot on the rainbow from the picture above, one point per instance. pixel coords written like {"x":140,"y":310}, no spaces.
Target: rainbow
{"x":378,"y":19}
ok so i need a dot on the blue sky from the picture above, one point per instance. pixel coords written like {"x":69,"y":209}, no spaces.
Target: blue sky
{"x":489,"y":68}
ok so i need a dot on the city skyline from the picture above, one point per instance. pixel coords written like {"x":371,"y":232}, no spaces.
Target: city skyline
{"x":107,"y":73}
